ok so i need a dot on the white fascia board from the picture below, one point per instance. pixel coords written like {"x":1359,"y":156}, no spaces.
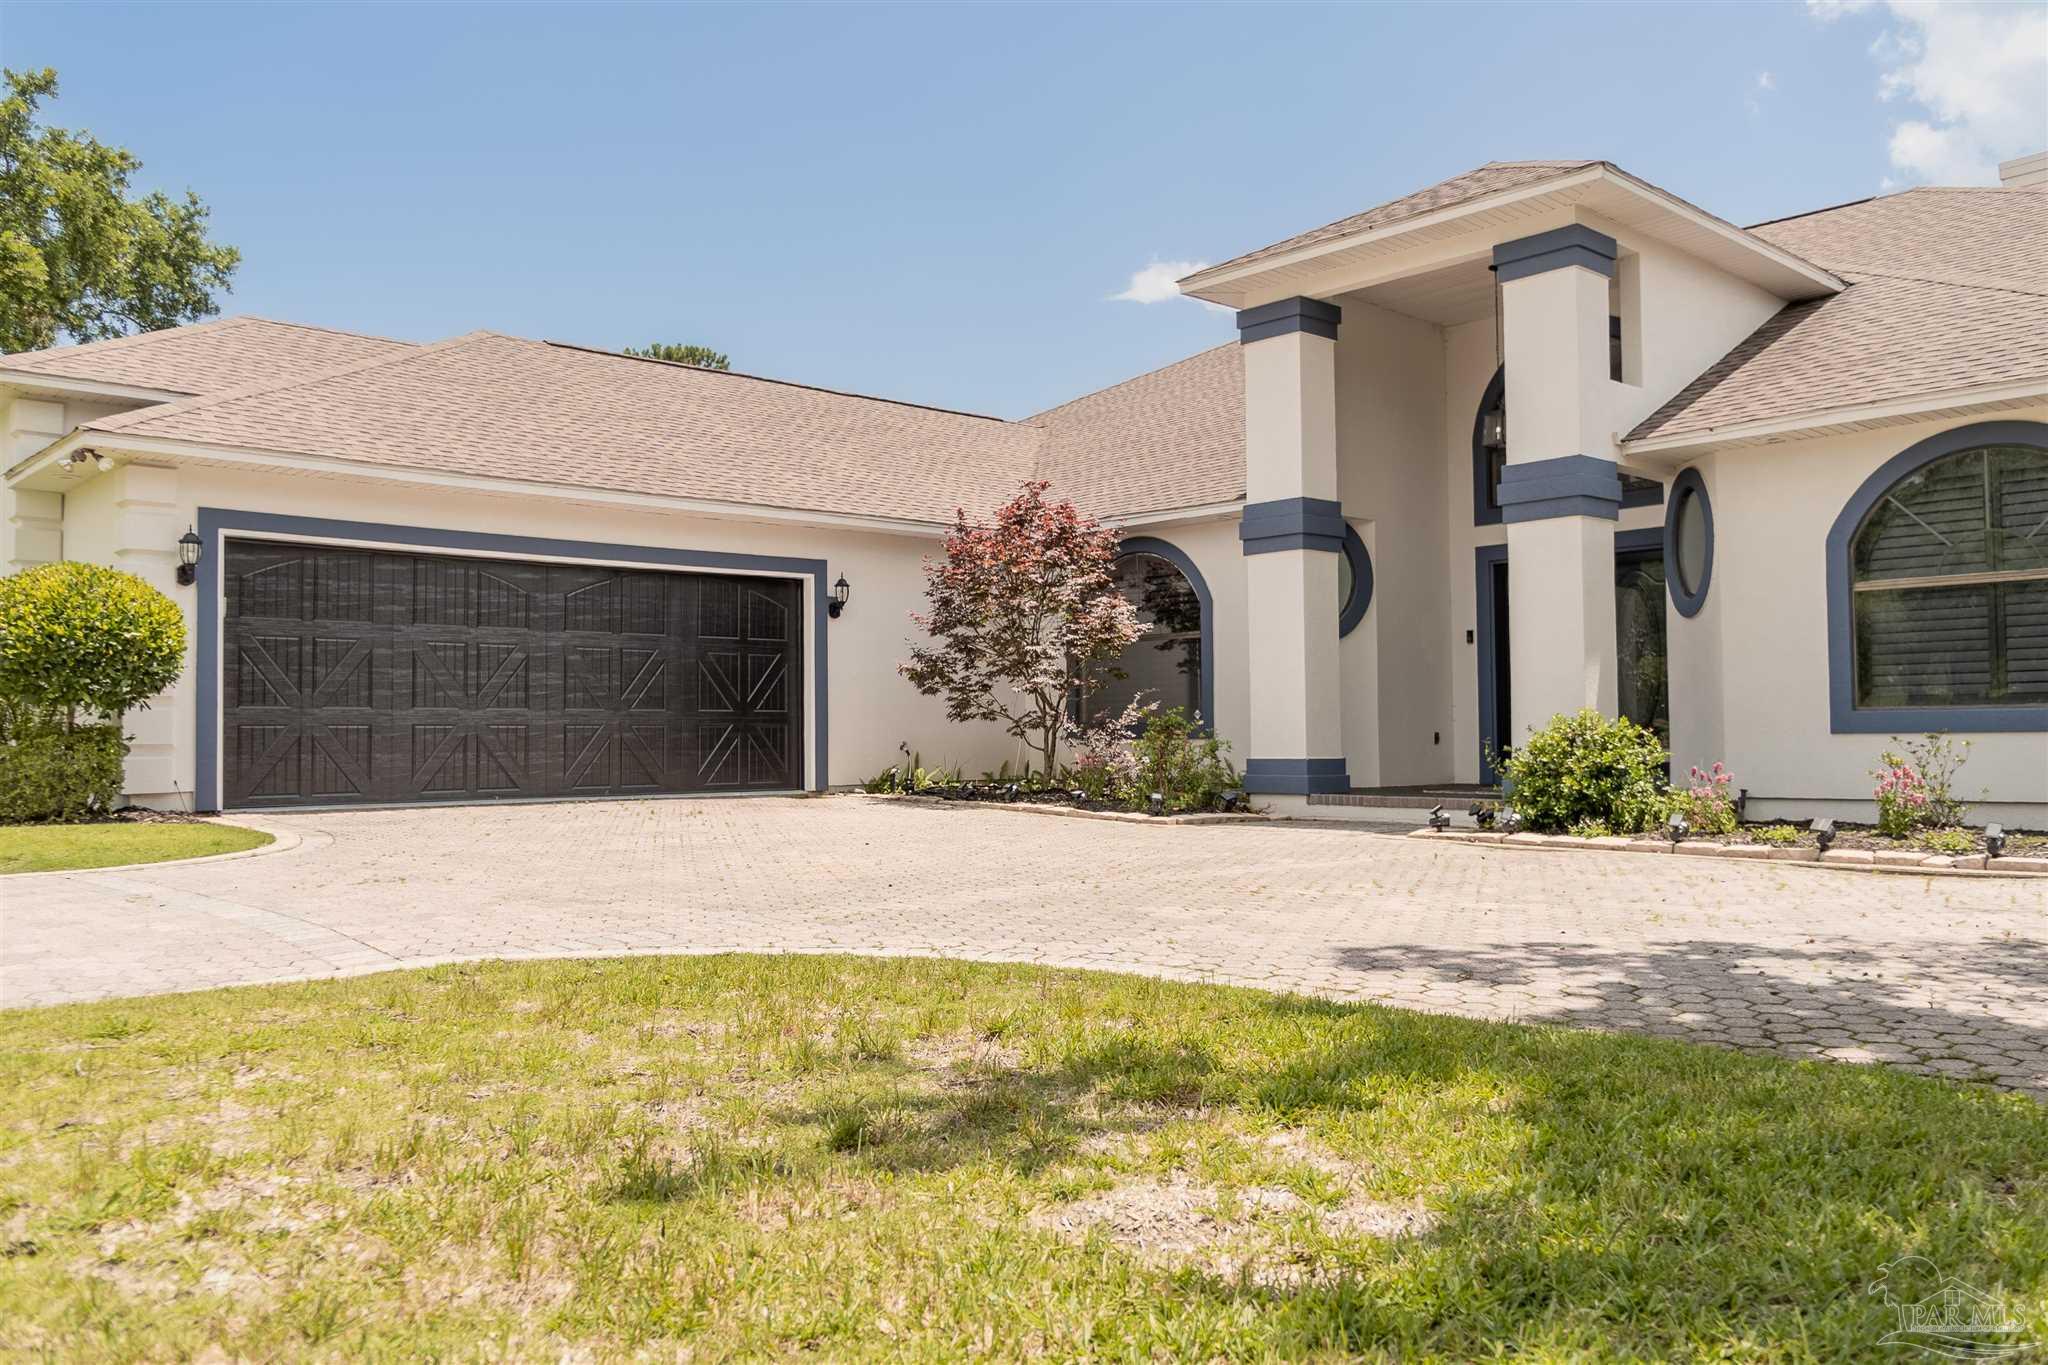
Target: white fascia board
{"x":1948,"y":400}
{"x":159,"y":447}
{"x":1208,"y":511}
{"x":31,"y":381}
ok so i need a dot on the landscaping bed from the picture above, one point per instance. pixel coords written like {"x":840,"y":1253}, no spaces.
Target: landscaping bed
{"x":748,"y":1157}
{"x":128,"y":836}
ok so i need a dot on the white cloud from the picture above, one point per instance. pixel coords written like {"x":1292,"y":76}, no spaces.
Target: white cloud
{"x":1978,"y":74}
{"x":1158,"y":282}
{"x":1766,"y":81}
{"x":1753,"y":99}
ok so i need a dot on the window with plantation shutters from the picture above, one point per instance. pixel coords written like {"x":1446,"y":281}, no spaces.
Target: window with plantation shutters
{"x":1950,"y":573}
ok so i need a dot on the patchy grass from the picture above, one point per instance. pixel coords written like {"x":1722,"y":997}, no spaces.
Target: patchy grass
{"x":749,"y":1156}
{"x":57,"y":848}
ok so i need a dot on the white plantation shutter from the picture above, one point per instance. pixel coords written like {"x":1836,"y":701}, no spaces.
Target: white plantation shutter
{"x":1950,"y":571}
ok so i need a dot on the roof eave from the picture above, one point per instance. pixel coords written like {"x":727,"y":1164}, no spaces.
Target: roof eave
{"x":1228,"y":285}
{"x":1827,"y":421}
{"x":33,"y":381}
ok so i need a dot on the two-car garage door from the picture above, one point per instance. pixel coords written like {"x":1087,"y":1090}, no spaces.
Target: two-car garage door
{"x":355,"y":676}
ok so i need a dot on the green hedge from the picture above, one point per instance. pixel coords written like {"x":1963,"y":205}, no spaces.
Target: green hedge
{"x":47,"y":773}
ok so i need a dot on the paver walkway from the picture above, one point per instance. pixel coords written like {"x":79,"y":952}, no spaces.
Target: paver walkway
{"x":1943,"y":975}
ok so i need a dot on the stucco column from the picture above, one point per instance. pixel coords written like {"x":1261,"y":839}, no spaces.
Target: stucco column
{"x":1292,"y":533}
{"x":33,"y":520}
{"x":145,"y":543}
{"x":1561,"y":491}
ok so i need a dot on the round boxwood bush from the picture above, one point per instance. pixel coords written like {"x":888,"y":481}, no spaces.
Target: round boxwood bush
{"x":1587,"y":769}
{"x":82,"y":637}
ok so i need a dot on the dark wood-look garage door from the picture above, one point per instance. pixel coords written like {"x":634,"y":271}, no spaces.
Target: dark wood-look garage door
{"x":358,"y":676}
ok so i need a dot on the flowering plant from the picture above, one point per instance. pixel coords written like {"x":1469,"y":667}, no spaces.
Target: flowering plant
{"x":1706,"y":804}
{"x":1901,"y":796}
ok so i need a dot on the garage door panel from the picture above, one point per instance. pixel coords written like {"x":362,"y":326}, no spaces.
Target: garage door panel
{"x":361,"y":676}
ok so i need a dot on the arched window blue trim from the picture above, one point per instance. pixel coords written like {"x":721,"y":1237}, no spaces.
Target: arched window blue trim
{"x":1845,"y":717}
{"x":1687,"y":483}
{"x":1174,"y":555}
{"x":1482,"y":513}
{"x":1361,"y":584}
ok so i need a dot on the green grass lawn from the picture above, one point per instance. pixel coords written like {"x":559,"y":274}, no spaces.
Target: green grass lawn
{"x":768,"y":1156}
{"x":55,"y":848}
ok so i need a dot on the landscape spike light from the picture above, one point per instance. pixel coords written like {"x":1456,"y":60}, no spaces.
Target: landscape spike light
{"x":1824,"y":833}
{"x":1994,"y":841}
{"x":1157,"y":805}
{"x":1676,"y":827}
{"x":1437,"y":818}
{"x":1511,"y":820}
{"x":1481,"y":813}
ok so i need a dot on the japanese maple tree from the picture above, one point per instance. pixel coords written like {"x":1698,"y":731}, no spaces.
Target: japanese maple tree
{"x":1024,"y":615}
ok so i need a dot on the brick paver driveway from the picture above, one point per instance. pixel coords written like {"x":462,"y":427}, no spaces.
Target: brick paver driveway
{"x":1942,"y":975}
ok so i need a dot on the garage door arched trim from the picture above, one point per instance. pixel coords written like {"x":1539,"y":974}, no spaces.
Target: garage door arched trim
{"x":217,"y":525}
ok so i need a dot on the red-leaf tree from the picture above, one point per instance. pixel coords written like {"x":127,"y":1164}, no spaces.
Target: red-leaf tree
{"x":1024,"y":615}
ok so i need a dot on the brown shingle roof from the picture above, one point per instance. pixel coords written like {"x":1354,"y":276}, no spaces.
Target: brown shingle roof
{"x":1171,"y":438}
{"x":206,"y":357}
{"x":1491,"y":178}
{"x":497,"y":406}
{"x":1948,"y":289}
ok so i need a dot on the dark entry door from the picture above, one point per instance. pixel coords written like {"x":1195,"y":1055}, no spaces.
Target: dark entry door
{"x":354,"y":676}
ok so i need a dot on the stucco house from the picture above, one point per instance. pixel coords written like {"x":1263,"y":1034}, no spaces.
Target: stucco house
{"x":1538,"y":437}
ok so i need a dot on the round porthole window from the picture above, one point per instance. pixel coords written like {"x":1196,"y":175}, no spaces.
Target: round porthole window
{"x":1354,"y":582}
{"x":1689,"y":542}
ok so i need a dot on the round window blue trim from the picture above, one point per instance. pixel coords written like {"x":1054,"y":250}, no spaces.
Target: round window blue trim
{"x":1361,"y":582}
{"x":1844,"y":716}
{"x":1688,"y":485}
{"x":1496,"y":388}
{"x":1174,"y":555}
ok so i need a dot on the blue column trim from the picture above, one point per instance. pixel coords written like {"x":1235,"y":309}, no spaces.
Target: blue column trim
{"x":1844,"y":716}
{"x":1554,"y":250}
{"x":1291,"y":524}
{"x":217,"y":524}
{"x":1295,"y":776}
{"x":1174,"y":555}
{"x":1287,"y":316}
{"x":1568,"y":486}
{"x":1688,"y":484}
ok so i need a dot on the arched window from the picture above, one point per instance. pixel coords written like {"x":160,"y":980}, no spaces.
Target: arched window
{"x":1948,"y":575}
{"x":1170,"y":661}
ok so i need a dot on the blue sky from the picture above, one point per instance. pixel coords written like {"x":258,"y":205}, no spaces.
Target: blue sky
{"x":937,"y":203}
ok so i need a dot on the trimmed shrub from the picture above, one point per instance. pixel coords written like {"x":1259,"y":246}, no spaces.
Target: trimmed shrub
{"x":1587,"y":768}
{"x":80,"y":637}
{"x":50,"y":773}
{"x":1189,"y":771}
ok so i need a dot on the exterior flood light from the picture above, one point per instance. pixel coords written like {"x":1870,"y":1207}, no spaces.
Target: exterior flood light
{"x":1677,"y":827}
{"x":1481,"y":813}
{"x":836,"y":603}
{"x":1233,"y":801}
{"x":190,"y":547}
{"x":1437,"y":818}
{"x":1994,"y":841}
{"x":1824,"y":833}
{"x":1511,"y":820}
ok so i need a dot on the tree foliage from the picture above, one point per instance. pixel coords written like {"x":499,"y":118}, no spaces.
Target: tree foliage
{"x":82,"y":637}
{"x":1024,"y":615}
{"x":683,"y":353}
{"x":79,"y":258}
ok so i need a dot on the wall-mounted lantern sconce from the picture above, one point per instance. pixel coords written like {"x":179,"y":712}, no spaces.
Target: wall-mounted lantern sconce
{"x":190,"y":546}
{"x":836,"y":603}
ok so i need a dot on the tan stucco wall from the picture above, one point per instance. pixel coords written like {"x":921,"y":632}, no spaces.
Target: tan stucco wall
{"x":872,"y":709}
{"x":1390,"y":377}
{"x":1767,"y":603}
